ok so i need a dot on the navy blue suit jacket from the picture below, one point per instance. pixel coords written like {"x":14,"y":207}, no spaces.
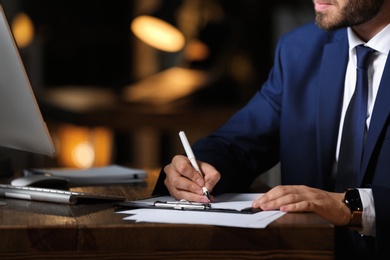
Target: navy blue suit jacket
{"x":294,"y":118}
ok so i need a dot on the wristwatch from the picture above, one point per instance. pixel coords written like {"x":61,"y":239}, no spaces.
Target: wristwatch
{"x":354,"y":203}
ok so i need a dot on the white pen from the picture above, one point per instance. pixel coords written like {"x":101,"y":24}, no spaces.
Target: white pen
{"x":191,"y":157}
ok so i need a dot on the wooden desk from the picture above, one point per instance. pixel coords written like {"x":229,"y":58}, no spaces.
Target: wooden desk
{"x":34,"y":230}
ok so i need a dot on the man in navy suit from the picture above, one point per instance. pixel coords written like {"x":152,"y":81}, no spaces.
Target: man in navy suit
{"x":297,"y":118}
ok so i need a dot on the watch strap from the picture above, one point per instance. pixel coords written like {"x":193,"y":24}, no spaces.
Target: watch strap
{"x":353,"y":202}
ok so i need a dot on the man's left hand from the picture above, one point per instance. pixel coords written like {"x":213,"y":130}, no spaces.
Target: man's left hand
{"x":328,"y":205}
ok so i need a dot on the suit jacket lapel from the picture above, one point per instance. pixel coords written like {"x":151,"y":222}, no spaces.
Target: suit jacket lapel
{"x":330,"y":97}
{"x":378,"y":120}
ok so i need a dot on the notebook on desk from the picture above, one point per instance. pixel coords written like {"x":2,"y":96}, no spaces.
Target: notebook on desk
{"x":54,"y":195}
{"x":112,"y":174}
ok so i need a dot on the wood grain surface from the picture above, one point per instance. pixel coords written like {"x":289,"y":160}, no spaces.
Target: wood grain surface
{"x":37,"y":230}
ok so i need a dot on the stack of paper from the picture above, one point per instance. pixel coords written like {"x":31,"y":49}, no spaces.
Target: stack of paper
{"x":100,"y":175}
{"x":227,"y":201}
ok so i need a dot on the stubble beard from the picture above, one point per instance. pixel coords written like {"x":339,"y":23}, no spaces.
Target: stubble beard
{"x":354,"y":13}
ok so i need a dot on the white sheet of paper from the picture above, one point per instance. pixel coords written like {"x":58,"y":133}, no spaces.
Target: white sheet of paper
{"x":230,"y":201}
{"x":258,"y":220}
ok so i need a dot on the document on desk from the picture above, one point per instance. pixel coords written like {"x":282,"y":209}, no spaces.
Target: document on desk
{"x":226,"y":201}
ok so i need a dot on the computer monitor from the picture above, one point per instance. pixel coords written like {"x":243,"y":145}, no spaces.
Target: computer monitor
{"x":21,"y":123}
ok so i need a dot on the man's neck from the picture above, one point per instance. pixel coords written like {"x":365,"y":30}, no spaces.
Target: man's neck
{"x":369,"y":29}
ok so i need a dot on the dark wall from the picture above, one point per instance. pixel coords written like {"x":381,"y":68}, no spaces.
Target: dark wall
{"x":84,"y":42}
{"x":89,"y":42}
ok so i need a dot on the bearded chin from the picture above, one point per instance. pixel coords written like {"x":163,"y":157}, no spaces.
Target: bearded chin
{"x":326,"y":23}
{"x":353,"y":14}
{"x":322,"y":22}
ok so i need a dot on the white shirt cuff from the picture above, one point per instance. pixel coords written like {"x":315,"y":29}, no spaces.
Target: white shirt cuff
{"x":368,"y":218}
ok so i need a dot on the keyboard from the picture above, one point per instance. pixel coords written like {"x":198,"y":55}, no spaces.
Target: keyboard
{"x":54,"y":195}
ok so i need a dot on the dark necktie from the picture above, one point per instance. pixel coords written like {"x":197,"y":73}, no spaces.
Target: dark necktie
{"x":354,"y":129}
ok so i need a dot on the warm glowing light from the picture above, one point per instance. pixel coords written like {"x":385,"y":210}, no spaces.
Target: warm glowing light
{"x":197,"y":51}
{"x":23,"y":30}
{"x":167,"y":86}
{"x":158,"y":33}
{"x":84,"y":147}
{"x":83,"y":155}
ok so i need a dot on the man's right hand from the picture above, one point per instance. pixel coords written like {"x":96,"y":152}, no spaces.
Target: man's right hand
{"x":184,"y":182}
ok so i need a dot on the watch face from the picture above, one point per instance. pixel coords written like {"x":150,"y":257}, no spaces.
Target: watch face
{"x":352,"y":200}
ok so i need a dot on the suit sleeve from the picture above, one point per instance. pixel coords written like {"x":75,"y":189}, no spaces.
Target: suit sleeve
{"x":382,"y":212}
{"x":248,"y":144}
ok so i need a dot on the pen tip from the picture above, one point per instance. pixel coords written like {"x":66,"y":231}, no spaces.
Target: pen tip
{"x":207,"y":194}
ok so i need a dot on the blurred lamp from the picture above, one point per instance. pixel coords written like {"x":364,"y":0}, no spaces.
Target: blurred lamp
{"x":158,"y":33}
{"x":23,"y":30}
{"x":166,"y":87}
{"x":83,"y":147}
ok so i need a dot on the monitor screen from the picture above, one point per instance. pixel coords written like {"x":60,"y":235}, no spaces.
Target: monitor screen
{"x":21,"y":124}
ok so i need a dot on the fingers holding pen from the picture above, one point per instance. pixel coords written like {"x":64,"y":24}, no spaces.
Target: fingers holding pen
{"x":210,"y":175}
{"x":184,"y":182}
{"x":179,"y":180}
{"x":185,"y":168}
{"x":181,"y":175}
{"x":185,"y":194}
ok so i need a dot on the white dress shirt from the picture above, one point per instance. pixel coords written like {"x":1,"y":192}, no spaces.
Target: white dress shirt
{"x":381,"y":44}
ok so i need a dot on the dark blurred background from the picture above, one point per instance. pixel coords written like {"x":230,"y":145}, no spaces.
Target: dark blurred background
{"x":98,"y":84}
